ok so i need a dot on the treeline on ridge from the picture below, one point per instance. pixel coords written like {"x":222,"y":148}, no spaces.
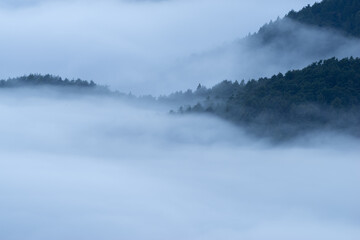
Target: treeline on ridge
{"x":326,"y":93}
{"x":43,"y":80}
{"x":342,"y":15}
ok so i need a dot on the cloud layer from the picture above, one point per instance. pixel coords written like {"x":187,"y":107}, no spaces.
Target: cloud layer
{"x":88,"y":168}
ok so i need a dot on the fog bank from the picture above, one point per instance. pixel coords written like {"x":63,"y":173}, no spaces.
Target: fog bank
{"x":91,"y":168}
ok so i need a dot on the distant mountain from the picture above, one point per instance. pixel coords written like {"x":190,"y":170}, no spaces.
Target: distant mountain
{"x":44,"y":80}
{"x":342,"y":15}
{"x":325,"y":94}
{"x":47,"y":85}
{"x":291,"y":42}
{"x":38,"y":81}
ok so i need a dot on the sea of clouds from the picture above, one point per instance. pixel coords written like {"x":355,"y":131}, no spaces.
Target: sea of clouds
{"x":91,"y":167}
{"x":99,"y":168}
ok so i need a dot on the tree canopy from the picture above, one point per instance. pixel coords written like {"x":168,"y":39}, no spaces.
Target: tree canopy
{"x":342,"y":15}
{"x":322,"y":94}
{"x":44,"y":80}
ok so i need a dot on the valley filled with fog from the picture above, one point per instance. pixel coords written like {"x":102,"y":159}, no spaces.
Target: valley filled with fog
{"x":111,"y":165}
{"x":100,"y":168}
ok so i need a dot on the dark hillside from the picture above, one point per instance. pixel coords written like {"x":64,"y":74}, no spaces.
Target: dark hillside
{"x":324,"y":94}
{"x":37,"y":82}
{"x":44,"y":80}
{"x":342,"y":15}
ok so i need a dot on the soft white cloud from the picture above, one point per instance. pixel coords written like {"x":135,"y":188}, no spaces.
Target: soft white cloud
{"x":92,"y":168}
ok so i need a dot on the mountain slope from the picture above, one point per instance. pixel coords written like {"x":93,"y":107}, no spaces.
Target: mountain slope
{"x":292,"y":42}
{"x":325,"y":94}
{"x":342,"y":15}
{"x":44,"y":80}
{"x":337,"y":16}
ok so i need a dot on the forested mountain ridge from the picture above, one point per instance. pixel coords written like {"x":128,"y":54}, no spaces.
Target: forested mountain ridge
{"x":44,"y":80}
{"x":334,"y":15}
{"x":324,"y":94}
{"x":50,"y":85}
{"x":281,"y":45}
{"x":38,"y":82}
{"x":342,"y":15}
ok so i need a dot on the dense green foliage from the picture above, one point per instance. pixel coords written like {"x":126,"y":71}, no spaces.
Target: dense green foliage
{"x":342,"y":15}
{"x":326,"y":93}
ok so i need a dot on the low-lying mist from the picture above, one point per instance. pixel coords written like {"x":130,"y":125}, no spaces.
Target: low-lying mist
{"x":99,"y":168}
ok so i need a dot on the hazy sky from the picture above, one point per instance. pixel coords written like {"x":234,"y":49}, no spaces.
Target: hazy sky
{"x":131,"y":45}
